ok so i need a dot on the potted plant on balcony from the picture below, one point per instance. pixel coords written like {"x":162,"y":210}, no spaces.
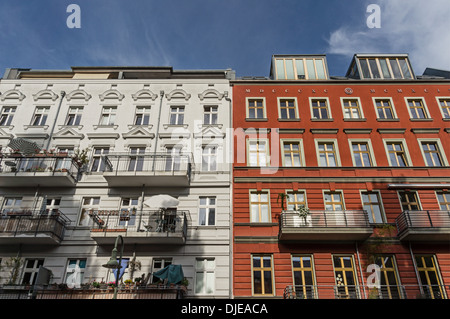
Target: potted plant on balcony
{"x":303,"y":212}
{"x":282,"y":197}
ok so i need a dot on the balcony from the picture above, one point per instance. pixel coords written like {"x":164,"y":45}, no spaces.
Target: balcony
{"x":32,"y":227}
{"x":414,"y":225}
{"x":366,"y":292}
{"x":136,"y":227}
{"x":152,"y":170}
{"x":26,"y":171}
{"x":325,"y":225}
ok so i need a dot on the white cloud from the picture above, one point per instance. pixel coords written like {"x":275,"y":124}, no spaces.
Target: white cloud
{"x":419,"y":28}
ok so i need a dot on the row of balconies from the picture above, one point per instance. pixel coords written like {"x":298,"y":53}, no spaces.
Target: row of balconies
{"x":118,"y":170}
{"x":170,"y":226}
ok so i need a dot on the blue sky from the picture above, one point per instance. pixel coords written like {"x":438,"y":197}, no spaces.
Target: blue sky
{"x":219,"y":34}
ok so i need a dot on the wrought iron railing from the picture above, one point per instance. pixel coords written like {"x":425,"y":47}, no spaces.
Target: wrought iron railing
{"x":19,"y":222}
{"x":366,"y":292}
{"x":325,"y":218}
{"x":39,"y":164}
{"x":435,"y":219}
{"x":157,"y":221}
{"x":148,"y":163}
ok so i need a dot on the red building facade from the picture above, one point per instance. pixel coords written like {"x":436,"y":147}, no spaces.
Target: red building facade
{"x":341,"y":185}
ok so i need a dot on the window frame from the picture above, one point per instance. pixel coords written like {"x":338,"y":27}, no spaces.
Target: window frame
{"x":207,"y":208}
{"x":174,"y":111}
{"x":296,"y":203}
{"x":43,"y":116}
{"x":446,"y":197}
{"x":143,"y":110}
{"x":9,"y":116}
{"x":438,"y":101}
{"x":281,"y":99}
{"x":336,"y":151}
{"x":205,"y":271}
{"x":248,"y":99}
{"x":110,"y":113}
{"x":345,"y":269}
{"x":417,"y":198}
{"x":301,"y":151}
{"x":380,"y":204}
{"x":267,"y":151}
{"x":424,"y":107}
{"x":211,"y":113}
{"x":259,"y":204}
{"x":302,"y":270}
{"x":435,"y":268}
{"x":211,"y":156}
{"x":359,"y":107}
{"x":440,"y":151}
{"x":388,"y":63}
{"x":77,"y":115}
{"x":327,"y":105}
{"x":261,"y":269}
{"x":303,"y":59}
{"x":370,"y":151}
{"x":405,"y":150}
{"x":392,"y":107}
{"x":342,"y":199}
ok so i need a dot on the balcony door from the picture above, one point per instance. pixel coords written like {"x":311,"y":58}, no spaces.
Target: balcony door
{"x":136,"y":162}
{"x":173,"y":158}
{"x":334,"y":206}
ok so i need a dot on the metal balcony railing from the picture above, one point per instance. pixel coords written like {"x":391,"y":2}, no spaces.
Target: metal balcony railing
{"x":39,"y":164}
{"x":156,"y":221}
{"x":15,"y":223}
{"x":325,"y":218}
{"x":432,"y":219}
{"x":366,"y":292}
{"x":150,"y":163}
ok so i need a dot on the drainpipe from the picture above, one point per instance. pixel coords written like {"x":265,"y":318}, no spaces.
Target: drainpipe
{"x":161,"y":93}
{"x":360,"y":269}
{"x":142,"y":208}
{"x":63,"y":94}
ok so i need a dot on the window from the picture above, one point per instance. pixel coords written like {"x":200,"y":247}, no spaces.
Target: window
{"x":74,"y":115}
{"x":371,"y":202}
{"x":417,"y":108}
{"x":31,"y":270}
{"x":344,"y":275}
{"x":385,"y":68}
{"x":320,"y":109}
{"x":430,"y":280}
{"x":128,"y":208}
{"x":327,"y":154}
{"x":396,"y":154}
{"x":204,"y":276}
{"x":389,"y":285}
{"x":12,"y":204}
{"x":64,"y":163}
{"x":158,"y":264}
{"x":142,"y":116}
{"x":52,"y":205}
{"x":88,"y":204}
{"x":292,"y":153}
{"x":108,"y":116}
{"x":409,"y":200}
{"x":256,"y":109}
{"x":384,"y":109}
{"x":299,"y":68}
{"x":176,"y":115}
{"x":333,"y":201}
{"x":352,"y":109}
{"x":295,"y":199}
{"x":40,"y":116}
{"x":98,"y":161}
{"x":75,"y":272}
{"x":432,"y":155}
{"x":258,"y":153}
{"x":262,"y":275}
{"x":288,"y":109}
{"x":303,"y":271}
{"x":210,"y":114}
{"x":361,"y":154}
{"x":136,"y":162}
{"x":7,"y":115}
{"x":207,"y":211}
{"x":444,"y":200}
{"x":259,"y":206}
{"x":173,"y":158}
{"x":209,"y":158}
{"x":444,"y":103}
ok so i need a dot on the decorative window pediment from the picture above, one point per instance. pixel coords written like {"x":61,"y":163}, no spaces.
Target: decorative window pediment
{"x":144,"y":94}
{"x":45,"y":94}
{"x":138,"y":132}
{"x":111,"y":94}
{"x":68,"y":133}
{"x":79,"y":95}
{"x":178,"y":94}
{"x":210,"y":93}
{"x":12,"y":94}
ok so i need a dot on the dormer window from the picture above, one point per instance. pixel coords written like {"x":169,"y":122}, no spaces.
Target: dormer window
{"x":380,"y":67}
{"x":300,"y":68}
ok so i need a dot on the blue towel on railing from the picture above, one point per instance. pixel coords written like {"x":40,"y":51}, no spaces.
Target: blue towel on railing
{"x":173,"y":273}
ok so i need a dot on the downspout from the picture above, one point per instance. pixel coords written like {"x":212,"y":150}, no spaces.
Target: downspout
{"x":360,"y":270}
{"x":161,"y":93}
{"x":63,"y":94}
{"x":141,"y":208}
{"x":415,"y":268}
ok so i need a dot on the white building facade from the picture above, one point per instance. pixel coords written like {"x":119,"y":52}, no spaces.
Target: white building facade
{"x":134,"y":133}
